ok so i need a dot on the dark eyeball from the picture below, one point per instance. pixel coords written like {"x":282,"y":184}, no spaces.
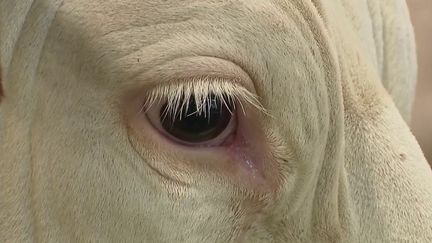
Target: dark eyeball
{"x":191,"y":125}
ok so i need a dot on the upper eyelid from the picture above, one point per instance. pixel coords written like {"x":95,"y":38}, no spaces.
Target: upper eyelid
{"x":178,"y":93}
{"x":188,"y":68}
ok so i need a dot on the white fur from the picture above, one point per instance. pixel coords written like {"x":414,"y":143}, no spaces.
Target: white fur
{"x":337,"y":78}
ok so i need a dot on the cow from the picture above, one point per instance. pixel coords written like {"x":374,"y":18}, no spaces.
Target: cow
{"x":210,"y":121}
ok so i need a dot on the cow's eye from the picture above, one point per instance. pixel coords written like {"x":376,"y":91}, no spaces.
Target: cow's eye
{"x":210,"y":123}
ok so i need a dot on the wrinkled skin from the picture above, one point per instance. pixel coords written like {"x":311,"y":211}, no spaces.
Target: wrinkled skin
{"x":337,"y":78}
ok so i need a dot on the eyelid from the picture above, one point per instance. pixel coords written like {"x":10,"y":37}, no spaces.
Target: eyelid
{"x":247,"y":147}
{"x":189,"y":68}
{"x":178,"y":94}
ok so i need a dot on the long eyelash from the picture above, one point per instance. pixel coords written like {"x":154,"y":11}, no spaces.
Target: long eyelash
{"x":177,"y":96}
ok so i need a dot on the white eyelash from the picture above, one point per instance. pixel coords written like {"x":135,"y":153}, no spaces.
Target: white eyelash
{"x":177,"y":96}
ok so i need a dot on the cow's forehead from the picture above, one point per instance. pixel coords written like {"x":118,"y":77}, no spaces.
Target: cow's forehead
{"x":131,"y":36}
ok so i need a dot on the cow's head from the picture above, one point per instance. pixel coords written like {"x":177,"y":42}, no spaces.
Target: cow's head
{"x":294,"y":137}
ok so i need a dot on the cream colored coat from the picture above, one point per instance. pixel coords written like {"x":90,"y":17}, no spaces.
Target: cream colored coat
{"x":336,"y":76}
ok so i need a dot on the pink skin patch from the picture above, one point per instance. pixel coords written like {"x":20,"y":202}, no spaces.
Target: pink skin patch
{"x":252,"y":152}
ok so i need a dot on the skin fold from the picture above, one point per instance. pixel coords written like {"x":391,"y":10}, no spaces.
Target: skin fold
{"x":337,"y":158}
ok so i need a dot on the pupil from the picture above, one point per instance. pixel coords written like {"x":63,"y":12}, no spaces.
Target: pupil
{"x":193,"y":126}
